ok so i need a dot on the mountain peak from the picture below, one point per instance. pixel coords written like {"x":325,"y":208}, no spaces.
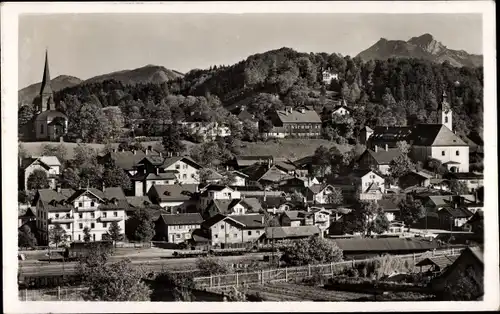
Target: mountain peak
{"x":427,"y":43}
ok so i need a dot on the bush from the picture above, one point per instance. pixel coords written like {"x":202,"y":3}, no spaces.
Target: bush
{"x":209,"y":265}
{"x":314,"y":250}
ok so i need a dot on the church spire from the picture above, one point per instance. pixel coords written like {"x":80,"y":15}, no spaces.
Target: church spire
{"x":46,"y":88}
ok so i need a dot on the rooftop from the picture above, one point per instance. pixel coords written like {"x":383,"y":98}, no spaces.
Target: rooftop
{"x":182,"y":219}
{"x":305,"y":116}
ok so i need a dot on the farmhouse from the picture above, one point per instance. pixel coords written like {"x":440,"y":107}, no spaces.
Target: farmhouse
{"x":48,"y":164}
{"x":379,"y":159}
{"x":237,"y":230}
{"x":300,"y":123}
{"x":177,"y":228}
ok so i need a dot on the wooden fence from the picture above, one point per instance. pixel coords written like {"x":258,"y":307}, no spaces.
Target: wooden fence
{"x":294,"y":273}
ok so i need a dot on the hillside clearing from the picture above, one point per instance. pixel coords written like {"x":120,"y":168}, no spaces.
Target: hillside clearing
{"x":284,"y":148}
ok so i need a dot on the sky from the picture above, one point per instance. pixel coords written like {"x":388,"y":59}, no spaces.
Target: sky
{"x":86,"y":45}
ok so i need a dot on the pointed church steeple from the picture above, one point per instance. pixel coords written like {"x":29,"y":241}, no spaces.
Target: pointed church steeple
{"x":46,"y":88}
{"x":46,"y":97}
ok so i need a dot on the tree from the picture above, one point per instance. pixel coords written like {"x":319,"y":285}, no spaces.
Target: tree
{"x":297,"y":197}
{"x":115,"y":121}
{"x":458,"y":187}
{"x":436,"y":166}
{"x":119,"y":281}
{"x":465,"y":287}
{"x":229,"y":178}
{"x":404,"y":147}
{"x":116,"y":177}
{"x":115,"y":232}
{"x":209,"y":265}
{"x":57,"y":234}
{"x":366,"y":217}
{"x":21,"y":151}
{"x":59,"y":151}
{"x":314,"y":250}
{"x":70,"y":178}
{"x":335,"y":197}
{"x":26,"y":238}
{"x":38,"y":180}
{"x":145,"y":230}
{"x":321,"y":160}
{"x":171,"y":141}
{"x":250,"y":131}
{"x":411,"y":210}
{"x":400,"y":166}
{"x":86,"y":234}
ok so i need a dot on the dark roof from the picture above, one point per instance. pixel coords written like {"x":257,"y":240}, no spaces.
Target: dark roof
{"x":297,"y":214}
{"x":139,"y":201}
{"x":126,"y":160}
{"x":54,"y":201}
{"x":477,"y":252}
{"x":359,"y":173}
{"x":440,"y":261}
{"x":167,"y":162}
{"x":26,"y":162}
{"x":388,"y":205}
{"x":391,"y":133}
{"x":25,"y":212}
{"x":245,"y":115}
{"x":174,"y":192}
{"x":198,"y":235}
{"x":317,"y":188}
{"x":384,"y":157}
{"x":464,"y":176}
{"x":225,"y":206}
{"x":458,"y":212}
{"x":291,"y":232}
{"x":308,"y":116}
{"x":245,"y":161}
{"x":434,"y":135}
{"x":50,"y":114}
{"x":285,"y":165}
{"x":258,"y":172}
{"x":253,"y":204}
{"x":250,"y":221}
{"x":215,"y":219}
{"x":384,"y":244}
{"x":182,"y":219}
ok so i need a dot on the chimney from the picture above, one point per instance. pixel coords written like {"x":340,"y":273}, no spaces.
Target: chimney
{"x":103,"y":187}
{"x":376,"y":148}
{"x":156,"y":170}
{"x":262,"y":219}
{"x":58,"y":188}
{"x":134,"y":151}
{"x":386,"y":147}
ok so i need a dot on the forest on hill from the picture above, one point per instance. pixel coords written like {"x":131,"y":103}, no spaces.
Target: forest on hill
{"x":383,"y":92}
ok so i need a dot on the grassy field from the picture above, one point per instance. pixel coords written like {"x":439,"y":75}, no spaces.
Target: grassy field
{"x":284,"y":148}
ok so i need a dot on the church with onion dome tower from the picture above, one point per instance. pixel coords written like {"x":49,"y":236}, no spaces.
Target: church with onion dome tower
{"x":50,"y":124}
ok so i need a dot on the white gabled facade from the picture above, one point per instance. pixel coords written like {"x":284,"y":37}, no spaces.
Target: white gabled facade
{"x":187,"y":174}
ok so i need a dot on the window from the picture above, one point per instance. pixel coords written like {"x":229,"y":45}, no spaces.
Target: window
{"x":216,"y":236}
{"x":235,"y":235}
{"x":257,"y":232}
{"x":115,"y":214}
{"x":104,"y":215}
{"x":185,"y":166}
{"x":93,"y":236}
{"x":446,"y":119}
{"x":92,"y":225}
{"x":222,"y":226}
{"x":57,"y":215}
{"x":92,"y":204}
{"x":104,"y":225}
{"x":178,"y":236}
{"x":80,"y":226}
{"x":92,"y":215}
{"x":457,"y":153}
{"x":41,"y":129}
{"x":80,"y":204}
{"x":184,"y":176}
{"x":177,"y":167}
{"x":67,"y":226}
{"x":79,"y":237}
{"x":442,"y":153}
{"x":249,"y":232}
{"x":80,"y":215}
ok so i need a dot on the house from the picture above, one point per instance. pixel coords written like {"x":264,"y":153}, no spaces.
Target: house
{"x":50,"y":124}
{"x":240,"y":162}
{"x":328,"y":76}
{"x":213,"y":177}
{"x":175,"y":198}
{"x":321,"y":219}
{"x":238,"y":230}
{"x":164,"y":171}
{"x":24,"y":215}
{"x":265,"y":175}
{"x":471,"y":179}
{"x":285,"y":165}
{"x":239,"y":178}
{"x":197,"y":125}
{"x":368,"y":183}
{"x":299,"y":123}
{"x":468,"y":268}
{"x":298,"y":184}
{"x":415,"y":178}
{"x":217,"y":192}
{"x":341,"y":110}
{"x":454,"y":217}
{"x":295,"y":218}
{"x":177,"y":228}
{"x":305,"y":166}
{"x":244,"y":115}
{"x":379,"y":159}
{"x":438,"y":202}
{"x":476,"y":223}
{"x":387,"y":135}
{"x":126,"y":160}
{"x":275,"y":204}
{"x":48,"y":164}
{"x":76,"y":209}
{"x":232,"y":207}
{"x":280,"y":234}
{"x":365,"y":247}
{"x":436,"y":264}
{"x":319,"y":193}
{"x":390,"y":208}
{"x":364,"y":135}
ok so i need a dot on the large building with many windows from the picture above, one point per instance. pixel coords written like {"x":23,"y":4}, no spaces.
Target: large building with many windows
{"x":297,"y":123}
{"x":74,"y":210}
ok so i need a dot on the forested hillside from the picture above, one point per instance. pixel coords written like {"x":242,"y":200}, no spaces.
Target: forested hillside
{"x":390,"y":92}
